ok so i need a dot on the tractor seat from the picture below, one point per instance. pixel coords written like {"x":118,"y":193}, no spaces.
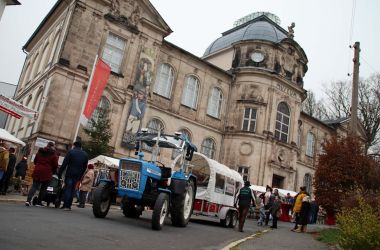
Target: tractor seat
{"x":165,"y":172}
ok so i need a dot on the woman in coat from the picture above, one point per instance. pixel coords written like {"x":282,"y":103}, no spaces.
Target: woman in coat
{"x":86,"y":185}
{"x":46,"y":163}
{"x":275,"y":208}
{"x":304,"y":214}
{"x":21,"y":168}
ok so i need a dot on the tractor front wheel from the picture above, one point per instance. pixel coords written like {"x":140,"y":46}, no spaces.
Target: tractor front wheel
{"x":101,"y":201}
{"x":160,"y":211}
{"x":182,"y":205}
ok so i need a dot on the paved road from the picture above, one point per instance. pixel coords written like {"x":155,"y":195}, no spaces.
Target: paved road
{"x":49,"y":228}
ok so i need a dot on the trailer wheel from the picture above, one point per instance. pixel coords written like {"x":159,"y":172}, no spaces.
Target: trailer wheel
{"x":160,"y":211}
{"x":182,"y":205}
{"x":234,"y":219}
{"x":102,"y":201}
{"x":226,"y":221}
{"x":130,"y":210}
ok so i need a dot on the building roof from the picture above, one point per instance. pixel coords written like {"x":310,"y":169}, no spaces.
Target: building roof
{"x":260,"y":28}
{"x":336,"y":121}
{"x":12,"y":2}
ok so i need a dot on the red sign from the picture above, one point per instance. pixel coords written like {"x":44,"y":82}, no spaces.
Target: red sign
{"x":16,"y":109}
{"x":98,"y":83}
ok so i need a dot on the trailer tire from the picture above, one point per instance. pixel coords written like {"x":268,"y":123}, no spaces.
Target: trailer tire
{"x":102,"y":201}
{"x":234,"y":219}
{"x":226,"y":221}
{"x":160,"y":211}
{"x":182,"y":205}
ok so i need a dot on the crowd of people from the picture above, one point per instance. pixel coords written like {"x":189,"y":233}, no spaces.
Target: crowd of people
{"x":302,"y":209}
{"x":75,"y":172}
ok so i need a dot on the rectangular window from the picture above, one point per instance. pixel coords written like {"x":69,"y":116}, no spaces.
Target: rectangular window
{"x":113,"y":52}
{"x":249,"y":120}
{"x":219,"y":183}
{"x":310,"y":145}
{"x":244,"y":172}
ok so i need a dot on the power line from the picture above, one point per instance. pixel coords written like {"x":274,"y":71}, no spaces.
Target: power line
{"x":351,"y":33}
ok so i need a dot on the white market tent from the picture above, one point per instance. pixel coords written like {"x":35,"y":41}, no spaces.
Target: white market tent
{"x":216,"y":182}
{"x":6,"y":136}
{"x":106,"y":160}
{"x":282,"y":192}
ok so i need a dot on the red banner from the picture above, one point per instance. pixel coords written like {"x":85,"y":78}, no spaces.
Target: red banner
{"x":16,"y":109}
{"x":99,"y":81}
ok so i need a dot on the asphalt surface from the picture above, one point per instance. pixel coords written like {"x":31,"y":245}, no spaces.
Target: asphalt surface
{"x":24,"y":227}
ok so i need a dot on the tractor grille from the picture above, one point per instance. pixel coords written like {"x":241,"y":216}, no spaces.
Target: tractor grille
{"x":130,"y":175}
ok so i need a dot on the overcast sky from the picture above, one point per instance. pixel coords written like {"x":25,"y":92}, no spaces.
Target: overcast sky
{"x":323,"y":29}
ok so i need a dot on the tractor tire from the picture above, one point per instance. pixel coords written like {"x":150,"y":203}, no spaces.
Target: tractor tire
{"x":182,"y":205}
{"x":160,"y":211}
{"x":102,"y":201}
{"x":234,"y":219}
{"x":226,"y":221}
{"x":130,"y":211}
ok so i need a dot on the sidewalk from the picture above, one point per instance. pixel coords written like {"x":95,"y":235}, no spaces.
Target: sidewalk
{"x":13,"y":198}
{"x":283,"y":238}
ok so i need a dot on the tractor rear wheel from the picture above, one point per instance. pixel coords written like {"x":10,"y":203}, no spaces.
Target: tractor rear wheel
{"x":101,"y":201}
{"x":182,"y":205}
{"x":160,"y":211}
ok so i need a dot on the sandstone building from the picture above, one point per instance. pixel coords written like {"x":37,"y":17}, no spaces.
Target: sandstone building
{"x":240,"y":103}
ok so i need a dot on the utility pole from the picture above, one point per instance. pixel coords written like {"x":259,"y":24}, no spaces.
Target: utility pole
{"x":355,"y":89}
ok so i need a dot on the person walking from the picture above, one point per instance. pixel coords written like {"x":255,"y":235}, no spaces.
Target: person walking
{"x":304,"y":215}
{"x":244,"y":198}
{"x":297,"y":206}
{"x":268,"y":202}
{"x":275,"y":209}
{"x":46,"y":163}
{"x":75,"y":164}
{"x":4,"y":183}
{"x":21,"y":169}
{"x":86,"y":185}
{"x":4,"y":159}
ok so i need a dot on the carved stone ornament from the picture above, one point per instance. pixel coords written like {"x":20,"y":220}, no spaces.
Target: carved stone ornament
{"x":123,"y":22}
{"x":291,"y":30}
{"x":246,"y":148}
{"x":115,"y":7}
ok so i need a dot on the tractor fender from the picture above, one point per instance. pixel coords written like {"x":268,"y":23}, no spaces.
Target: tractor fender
{"x":164,"y":190}
{"x":223,"y":212}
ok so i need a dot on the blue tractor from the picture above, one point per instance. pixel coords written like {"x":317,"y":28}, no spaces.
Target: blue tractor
{"x":142,"y":183}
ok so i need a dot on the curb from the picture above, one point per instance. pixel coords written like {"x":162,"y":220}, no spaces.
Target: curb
{"x":238,"y":242}
{"x":11,"y":201}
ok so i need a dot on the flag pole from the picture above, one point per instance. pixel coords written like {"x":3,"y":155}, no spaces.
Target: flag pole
{"x":85,"y":97}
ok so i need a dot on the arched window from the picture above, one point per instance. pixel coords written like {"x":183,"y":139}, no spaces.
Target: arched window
{"x":154,"y":125}
{"x":164,"y":80}
{"x":208,"y":148}
{"x":310,"y":144}
{"x":103,"y":106}
{"x":190,"y":92}
{"x":35,"y":65}
{"x":299,"y":135}
{"x":307,"y":182}
{"x":26,"y":74}
{"x":282,"y":122}
{"x":215,"y":102}
{"x":186,"y":134}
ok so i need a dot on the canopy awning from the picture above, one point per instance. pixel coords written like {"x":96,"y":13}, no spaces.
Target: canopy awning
{"x":106,"y":160}
{"x":282,"y":192}
{"x":16,"y":109}
{"x":6,"y":136}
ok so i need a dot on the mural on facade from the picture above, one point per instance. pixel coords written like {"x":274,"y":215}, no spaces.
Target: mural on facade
{"x":141,"y":88}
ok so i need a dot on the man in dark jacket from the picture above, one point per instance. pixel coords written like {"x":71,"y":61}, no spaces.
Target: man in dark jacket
{"x":4,"y":183}
{"x":244,"y":198}
{"x":45,"y":164}
{"x":76,"y":163}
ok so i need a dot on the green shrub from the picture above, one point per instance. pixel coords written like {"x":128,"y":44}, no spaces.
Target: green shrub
{"x":329,"y":236}
{"x":360,"y":227}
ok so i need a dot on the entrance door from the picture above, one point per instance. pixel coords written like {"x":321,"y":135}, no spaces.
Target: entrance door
{"x":278,"y":181}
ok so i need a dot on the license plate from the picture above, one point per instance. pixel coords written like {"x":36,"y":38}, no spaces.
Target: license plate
{"x":49,"y":189}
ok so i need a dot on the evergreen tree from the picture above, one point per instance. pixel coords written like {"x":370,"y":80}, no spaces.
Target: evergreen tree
{"x":99,"y":134}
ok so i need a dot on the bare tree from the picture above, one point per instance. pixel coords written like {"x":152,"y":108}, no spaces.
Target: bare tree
{"x":314,"y":108}
{"x":338,"y":105}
